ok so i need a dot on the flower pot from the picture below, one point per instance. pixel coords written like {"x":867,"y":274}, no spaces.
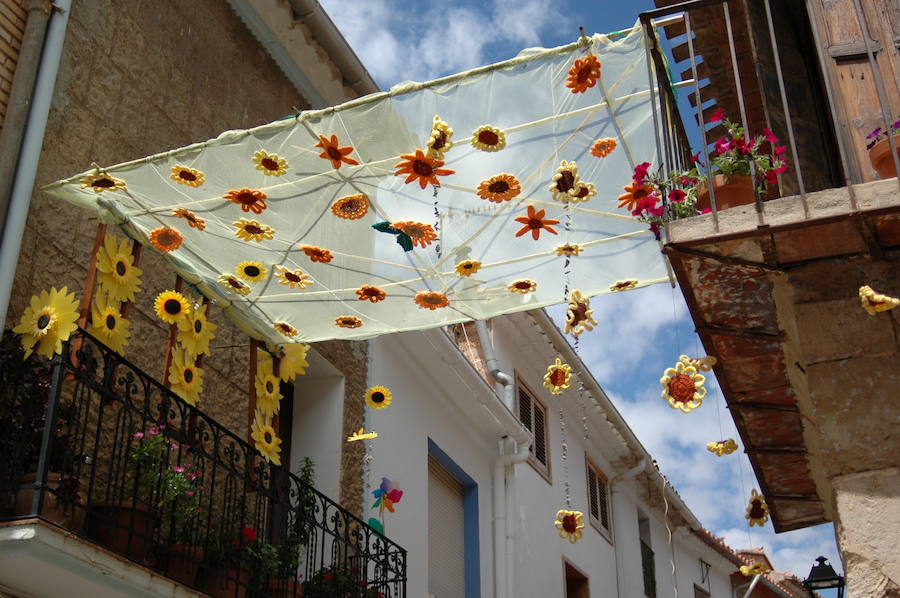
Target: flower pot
{"x":285,"y":588}
{"x":731,"y":190}
{"x":183,"y":563}
{"x":881,"y":158}
{"x":55,"y":509}
{"x":123,"y":527}
{"x":229,"y":584}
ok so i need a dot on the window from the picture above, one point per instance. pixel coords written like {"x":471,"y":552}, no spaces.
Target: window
{"x":700,"y":592}
{"x":598,"y":500}
{"x":576,"y":582}
{"x":533,"y":415}
{"x":648,"y":564}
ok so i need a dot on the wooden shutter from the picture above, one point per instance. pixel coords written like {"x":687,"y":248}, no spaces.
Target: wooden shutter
{"x":540,"y":435}
{"x":592,"y":493}
{"x":603,"y":499}
{"x":525,"y":410}
{"x":446,"y":535}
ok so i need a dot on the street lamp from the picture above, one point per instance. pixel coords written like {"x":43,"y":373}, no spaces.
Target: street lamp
{"x":823,"y":577}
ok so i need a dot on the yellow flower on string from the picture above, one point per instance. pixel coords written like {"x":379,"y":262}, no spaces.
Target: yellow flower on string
{"x":523,"y":286}
{"x":49,"y":319}
{"x":488,"y":138}
{"x":268,"y":394}
{"x":293,"y":361}
{"x":285,"y":329}
{"x":108,"y":325}
{"x":623,"y":285}
{"x":252,"y":230}
{"x":101,"y":182}
{"x":558,"y":377}
{"x":874,"y":302}
{"x":361,"y":434}
{"x":270,"y":164}
{"x":757,"y":510}
{"x":564,"y":184}
{"x":171,"y":306}
{"x":185,"y":379}
{"x":701,"y":364}
{"x":579,"y":315}
{"x":468,"y":267}
{"x":683,"y":387}
{"x":295,"y":279}
{"x":583,"y":191}
{"x":722,"y":447}
{"x":234,"y":284}
{"x":754,"y":569}
{"x":378,"y":397}
{"x":184,"y":175}
{"x":440,"y":140}
{"x":252,"y":271}
{"x":266,"y":440}
{"x":569,"y":524}
{"x":119,"y":278}
{"x":569,"y":250}
{"x":195,"y":332}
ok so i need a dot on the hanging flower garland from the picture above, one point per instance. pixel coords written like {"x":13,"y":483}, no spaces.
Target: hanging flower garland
{"x":874,"y":302}
{"x":569,"y":524}
{"x":50,"y":318}
{"x":268,"y":393}
{"x":558,"y":377}
{"x":579,"y":315}
{"x":683,"y":387}
{"x":757,"y":510}
{"x":186,"y":379}
{"x":291,"y":360}
{"x":584,"y":74}
{"x":265,"y":439}
{"x":378,"y":397}
{"x":195,"y":332}
{"x":722,"y":447}
{"x":107,"y":323}
{"x":171,"y":306}
{"x":119,"y":278}
{"x":440,"y":140}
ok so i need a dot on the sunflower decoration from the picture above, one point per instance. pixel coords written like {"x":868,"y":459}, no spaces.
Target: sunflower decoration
{"x":334,"y":151}
{"x":558,"y":377}
{"x":193,"y":220}
{"x":285,"y":329}
{"x":701,"y":364}
{"x":295,"y":279}
{"x":583,"y":191}
{"x":420,"y":233}
{"x":722,"y":447}
{"x":251,"y":230}
{"x":683,"y":387}
{"x":523,"y":286}
{"x":603,"y":147}
{"x":488,"y":139}
{"x":499,"y":188}
{"x":268,"y":393}
{"x":361,"y":434}
{"x":107,"y":323}
{"x":101,"y":182}
{"x":351,"y":207}
{"x":378,"y":397}
{"x":270,"y":164}
{"x":50,"y":318}
{"x":195,"y":332}
{"x":623,"y":285}
{"x":584,"y":74}
{"x":422,"y":168}
{"x":171,"y":307}
{"x":564,"y":184}
{"x":579,"y":315}
{"x":184,"y":175}
{"x":468,"y":267}
{"x":874,"y":302}
{"x":634,"y":193}
{"x":166,"y":239}
{"x":250,"y":200}
{"x":292,"y":360}
{"x":368,"y":292}
{"x":431,"y":300}
{"x":266,"y":440}
{"x":754,"y":569}
{"x":119,"y":278}
{"x":252,"y":271}
{"x":348,"y":322}
{"x":757,"y":510}
{"x":569,"y":250}
{"x":234,"y":284}
{"x":317,"y":254}
{"x":185,"y":378}
{"x":569,"y":524}
{"x":440,"y":139}
{"x":535,"y":222}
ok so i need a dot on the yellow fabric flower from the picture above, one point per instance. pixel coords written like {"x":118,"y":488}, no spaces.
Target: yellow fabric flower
{"x":119,"y":278}
{"x":285,"y":329}
{"x":266,"y":440}
{"x":252,"y":230}
{"x":270,"y":164}
{"x":440,"y":140}
{"x":757,"y":510}
{"x":874,"y":302}
{"x":101,"y":182}
{"x":234,"y":284}
{"x":171,"y":306}
{"x":489,"y":139}
{"x":722,"y":447}
{"x":252,"y":271}
{"x":623,"y":285}
{"x":108,"y":325}
{"x":378,"y":397}
{"x":564,"y":184}
{"x":754,"y":569}
{"x":468,"y":267}
{"x":268,"y":393}
{"x":295,"y":279}
{"x":569,"y":249}
{"x":683,"y":387}
{"x":701,"y":364}
{"x":523,"y":286}
{"x":184,"y":175}
{"x":49,"y":319}
{"x":569,"y":524}
{"x":185,"y":379}
{"x":292,"y":360}
{"x":195,"y":332}
{"x":579,"y":315}
{"x":583,"y":191}
{"x":558,"y":377}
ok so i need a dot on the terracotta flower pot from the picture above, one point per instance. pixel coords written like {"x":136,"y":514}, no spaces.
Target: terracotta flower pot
{"x":54,"y":509}
{"x":183,"y":563}
{"x":122,"y":527}
{"x":232,"y":584}
{"x":731,"y":190}
{"x":881,"y":158}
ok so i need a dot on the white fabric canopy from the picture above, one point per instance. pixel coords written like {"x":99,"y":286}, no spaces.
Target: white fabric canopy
{"x":526,"y":98}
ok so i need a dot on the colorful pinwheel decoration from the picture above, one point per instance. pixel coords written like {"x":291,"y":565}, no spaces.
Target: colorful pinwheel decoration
{"x":386,"y":496}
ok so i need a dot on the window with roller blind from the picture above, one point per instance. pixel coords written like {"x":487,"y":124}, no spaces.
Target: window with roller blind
{"x":598,"y":500}
{"x":533,"y":415}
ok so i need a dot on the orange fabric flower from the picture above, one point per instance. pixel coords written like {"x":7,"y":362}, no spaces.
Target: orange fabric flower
{"x":584,"y":74}
{"x":421,"y":167}
{"x":250,"y":200}
{"x":285,"y":328}
{"x":348,"y":321}
{"x":534,"y":222}
{"x":421,"y":234}
{"x":317,"y":254}
{"x":166,"y":239}
{"x":603,"y":147}
{"x":499,"y":188}
{"x":193,"y":220}
{"x":431,"y":300}
{"x":333,"y":151}
{"x":370,"y":292}
{"x":633,"y":194}
{"x":351,"y":207}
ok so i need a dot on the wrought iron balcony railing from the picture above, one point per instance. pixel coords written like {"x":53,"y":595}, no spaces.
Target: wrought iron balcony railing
{"x":93,"y":444}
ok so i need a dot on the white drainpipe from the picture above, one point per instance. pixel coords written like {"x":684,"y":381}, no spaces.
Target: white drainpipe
{"x":613,"y":489}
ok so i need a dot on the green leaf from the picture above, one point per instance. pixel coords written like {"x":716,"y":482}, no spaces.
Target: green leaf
{"x":385,"y":227}
{"x":404,"y":241}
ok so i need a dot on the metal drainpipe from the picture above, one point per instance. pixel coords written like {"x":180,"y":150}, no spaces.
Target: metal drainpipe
{"x":502,"y":378}
{"x":613,"y":489}
{"x":20,"y":96}
{"x":26,"y":168}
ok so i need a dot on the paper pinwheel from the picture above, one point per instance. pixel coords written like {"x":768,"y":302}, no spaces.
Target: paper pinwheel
{"x":386,"y":496}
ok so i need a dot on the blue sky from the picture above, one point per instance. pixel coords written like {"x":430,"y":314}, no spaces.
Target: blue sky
{"x":641,"y":332}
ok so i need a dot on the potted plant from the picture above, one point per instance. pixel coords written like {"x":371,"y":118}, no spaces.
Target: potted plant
{"x":339,"y":581}
{"x":644,"y":196}
{"x":237,"y":563}
{"x":293,"y":548}
{"x":880,"y":150}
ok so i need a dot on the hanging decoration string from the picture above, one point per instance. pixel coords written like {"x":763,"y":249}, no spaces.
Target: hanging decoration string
{"x":565,"y":459}
{"x":437,"y":223}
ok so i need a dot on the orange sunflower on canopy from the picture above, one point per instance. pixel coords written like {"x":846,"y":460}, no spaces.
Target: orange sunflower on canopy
{"x":421,"y":167}
{"x":634,"y":193}
{"x":421,"y":234}
{"x":534,"y":222}
{"x":584,"y":74}
{"x":332,"y":150}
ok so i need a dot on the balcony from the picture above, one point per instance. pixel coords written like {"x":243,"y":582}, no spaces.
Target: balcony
{"x":104,"y":465}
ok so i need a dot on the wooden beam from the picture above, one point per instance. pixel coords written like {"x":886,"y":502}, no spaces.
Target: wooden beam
{"x":251,"y":403}
{"x":776,"y":450}
{"x":742,"y":332}
{"x":724,"y":259}
{"x":766,"y":406}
